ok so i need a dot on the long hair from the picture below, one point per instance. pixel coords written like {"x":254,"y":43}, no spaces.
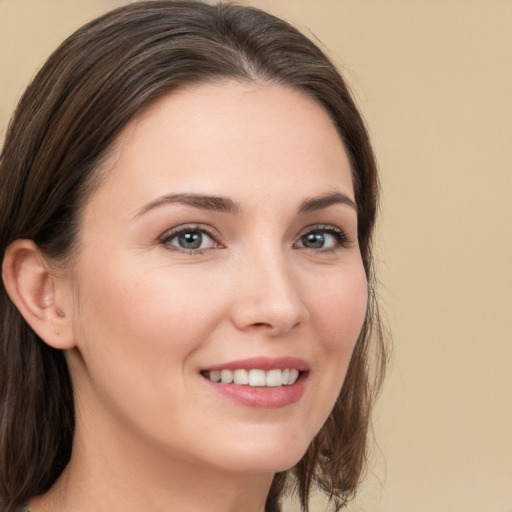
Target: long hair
{"x":65,"y":124}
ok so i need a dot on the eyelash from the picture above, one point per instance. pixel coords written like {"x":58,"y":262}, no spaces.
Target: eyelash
{"x":171,"y":235}
{"x":340,"y":236}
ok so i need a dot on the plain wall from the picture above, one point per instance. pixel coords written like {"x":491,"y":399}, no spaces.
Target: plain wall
{"x":434,"y":80}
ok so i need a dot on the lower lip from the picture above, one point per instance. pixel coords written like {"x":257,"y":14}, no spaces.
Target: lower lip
{"x":262,"y":397}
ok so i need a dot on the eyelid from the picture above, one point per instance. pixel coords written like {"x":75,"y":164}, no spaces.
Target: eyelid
{"x":341,"y":235}
{"x":172,"y":233}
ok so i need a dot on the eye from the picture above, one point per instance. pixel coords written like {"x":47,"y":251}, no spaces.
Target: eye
{"x":190,"y":239}
{"x":326,"y":238}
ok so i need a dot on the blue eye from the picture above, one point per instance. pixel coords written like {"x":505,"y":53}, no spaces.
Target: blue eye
{"x":323,"y":238}
{"x":190,"y":240}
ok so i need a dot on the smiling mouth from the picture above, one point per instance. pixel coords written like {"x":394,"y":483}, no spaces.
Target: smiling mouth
{"x":254,"y":377}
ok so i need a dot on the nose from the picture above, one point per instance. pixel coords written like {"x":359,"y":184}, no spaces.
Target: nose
{"x":268,"y":296}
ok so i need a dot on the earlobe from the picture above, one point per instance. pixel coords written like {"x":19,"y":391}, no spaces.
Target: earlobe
{"x":38,"y":294}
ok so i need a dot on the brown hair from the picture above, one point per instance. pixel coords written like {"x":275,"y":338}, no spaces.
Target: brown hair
{"x":64,"y":125}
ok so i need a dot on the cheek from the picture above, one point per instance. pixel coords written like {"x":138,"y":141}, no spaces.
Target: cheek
{"x":137,"y":327}
{"x":340,"y":310}
{"x":339,"y":314}
{"x":137,"y":333}
{"x":154,"y":314}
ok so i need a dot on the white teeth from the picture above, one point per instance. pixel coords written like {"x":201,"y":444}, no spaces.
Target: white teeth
{"x":274,"y":378}
{"x":215,"y":376}
{"x":241,"y":377}
{"x":226,"y":376}
{"x":294,"y":375}
{"x":255,"y":377}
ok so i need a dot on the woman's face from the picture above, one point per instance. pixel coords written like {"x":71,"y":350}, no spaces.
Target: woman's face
{"x":223,"y":238}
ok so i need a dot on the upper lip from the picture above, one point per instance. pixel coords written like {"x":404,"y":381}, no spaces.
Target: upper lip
{"x":262,"y":363}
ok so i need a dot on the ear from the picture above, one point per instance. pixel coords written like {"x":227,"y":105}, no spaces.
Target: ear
{"x":40,"y":296}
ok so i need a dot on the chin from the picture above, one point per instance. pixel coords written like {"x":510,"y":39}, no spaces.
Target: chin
{"x":265,"y":454}
{"x":268,"y":463}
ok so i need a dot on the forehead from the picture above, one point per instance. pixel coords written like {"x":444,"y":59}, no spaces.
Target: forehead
{"x":230,"y":138}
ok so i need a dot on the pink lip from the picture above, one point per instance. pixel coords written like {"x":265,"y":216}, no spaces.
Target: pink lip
{"x":263,"y":363}
{"x":262,"y":397}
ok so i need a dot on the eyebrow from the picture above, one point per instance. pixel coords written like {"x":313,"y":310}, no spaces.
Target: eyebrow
{"x":226,"y":205}
{"x":318,"y":203}
{"x":205,"y":202}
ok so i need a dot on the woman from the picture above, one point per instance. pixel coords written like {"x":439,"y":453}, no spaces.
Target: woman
{"x":187,"y":198}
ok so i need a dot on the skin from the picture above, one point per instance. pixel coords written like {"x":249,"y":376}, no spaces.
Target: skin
{"x":146,"y":315}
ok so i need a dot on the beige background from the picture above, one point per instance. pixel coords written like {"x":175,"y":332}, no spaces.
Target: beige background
{"x":434,"y":80}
